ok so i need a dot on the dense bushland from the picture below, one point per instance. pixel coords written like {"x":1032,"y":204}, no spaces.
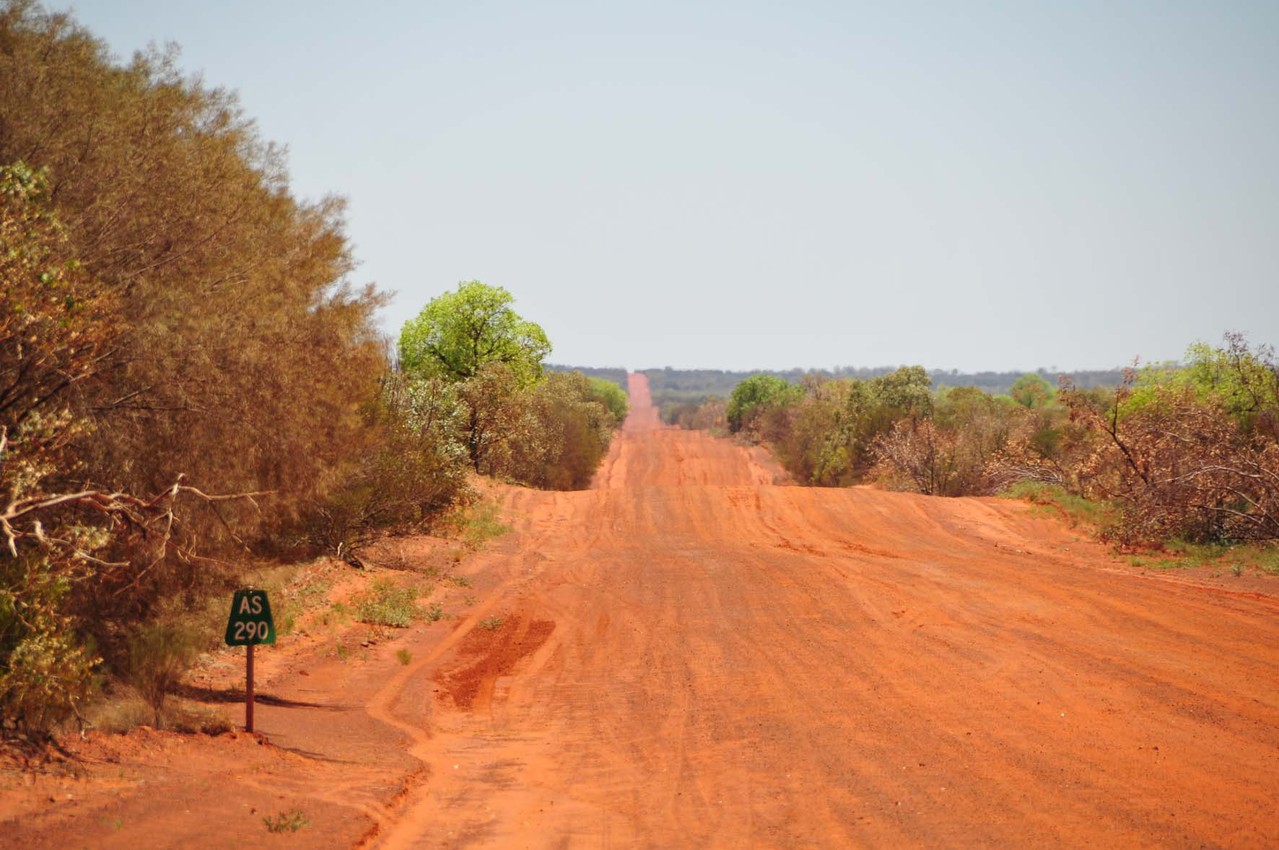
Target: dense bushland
{"x":1182,"y":451}
{"x":177,"y":328}
{"x":189,"y":381}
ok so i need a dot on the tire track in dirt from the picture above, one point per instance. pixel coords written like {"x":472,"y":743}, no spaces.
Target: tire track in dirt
{"x":738,"y":664}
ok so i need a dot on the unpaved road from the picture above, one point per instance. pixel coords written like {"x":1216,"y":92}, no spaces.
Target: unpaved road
{"x":699,"y":658}
{"x":690,"y":656}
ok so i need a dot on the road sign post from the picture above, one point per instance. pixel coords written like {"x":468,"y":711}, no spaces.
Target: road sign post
{"x":250,"y":624}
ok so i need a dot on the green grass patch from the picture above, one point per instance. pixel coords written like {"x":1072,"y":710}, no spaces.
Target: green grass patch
{"x":492,"y":623}
{"x":1239,"y":560}
{"x":1076,"y":509}
{"x":387,"y":604}
{"x":479,"y":523}
{"x":1264,"y":558}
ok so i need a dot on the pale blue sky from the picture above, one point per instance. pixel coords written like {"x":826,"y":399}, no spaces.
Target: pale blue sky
{"x":765,"y":185}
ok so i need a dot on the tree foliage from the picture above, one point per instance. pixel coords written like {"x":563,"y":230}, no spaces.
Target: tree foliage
{"x":1188,"y":451}
{"x":1184,"y":457}
{"x":752,"y":400}
{"x":612,"y":396}
{"x":460,"y":332}
{"x":173,"y":322}
{"x":1033,"y":391}
{"x":517,"y":422}
{"x":242,"y":355}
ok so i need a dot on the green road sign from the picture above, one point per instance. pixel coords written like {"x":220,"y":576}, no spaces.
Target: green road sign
{"x":250,"y":621}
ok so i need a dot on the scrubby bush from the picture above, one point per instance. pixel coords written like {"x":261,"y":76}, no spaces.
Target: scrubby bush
{"x":578,"y":425}
{"x":159,"y":653}
{"x":387,"y":604}
{"x":518,"y":422}
{"x":186,"y":372}
{"x":757,"y":406}
{"x":1180,"y":464}
{"x":710,"y":414}
{"x":612,"y":396}
{"x":45,"y":669}
{"x":412,"y":465}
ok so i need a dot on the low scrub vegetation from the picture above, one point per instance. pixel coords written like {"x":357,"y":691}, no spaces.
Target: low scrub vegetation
{"x":1184,"y":452}
{"x":387,"y":604}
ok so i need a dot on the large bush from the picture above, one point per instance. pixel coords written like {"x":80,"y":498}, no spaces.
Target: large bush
{"x":175,"y":327}
{"x":1183,"y":458}
{"x":516,"y":421}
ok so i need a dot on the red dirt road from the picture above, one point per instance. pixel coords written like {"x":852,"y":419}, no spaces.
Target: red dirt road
{"x":690,"y":656}
{"x":693,"y":657}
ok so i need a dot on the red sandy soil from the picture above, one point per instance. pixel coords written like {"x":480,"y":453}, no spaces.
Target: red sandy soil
{"x":690,"y":655}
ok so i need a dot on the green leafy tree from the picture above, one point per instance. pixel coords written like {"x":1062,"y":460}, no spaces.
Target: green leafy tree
{"x":754,"y":396}
{"x":612,"y":397}
{"x":460,"y":332}
{"x":820,"y":445}
{"x":904,"y":392}
{"x":1032,"y":391}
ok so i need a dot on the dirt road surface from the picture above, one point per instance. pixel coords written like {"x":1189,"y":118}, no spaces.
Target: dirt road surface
{"x":688,"y":655}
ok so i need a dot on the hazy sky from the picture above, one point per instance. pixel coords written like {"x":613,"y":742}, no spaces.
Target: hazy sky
{"x":765,"y":185}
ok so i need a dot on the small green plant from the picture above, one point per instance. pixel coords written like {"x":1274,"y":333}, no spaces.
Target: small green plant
{"x":1264,"y":558}
{"x":435,"y":613}
{"x":1197,"y":554}
{"x":287,"y":622}
{"x":1078,"y":510}
{"x":1236,"y":570}
{"x":404,"y":656}
{"x":460,"y":581}
{"x":469,"y":599}
{"x":387,"y":604}
{"x":337,"y":614}
{"x":159,"y":653}
{"x":492,"y":623}
{"x":480,"y":524}
{"x":343,"y":652}
{"x":290,"y":821}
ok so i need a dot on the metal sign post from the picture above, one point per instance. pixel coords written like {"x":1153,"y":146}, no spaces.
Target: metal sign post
{"x":250,"y":624}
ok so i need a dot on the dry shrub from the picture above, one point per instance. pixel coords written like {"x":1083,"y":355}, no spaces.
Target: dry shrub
{"x":412,"y":466}
{"x":243,"y":356}
{"x":918,"y":457}
{"x":708,"y":415}
{"x":1180,"y":467}
{"x":171,"y":317}
{"x":955,"y":452}
{"x":552,"y":434}
{"x":159,"y":653}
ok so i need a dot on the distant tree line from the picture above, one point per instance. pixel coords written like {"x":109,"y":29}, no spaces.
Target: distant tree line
{"x":679,"y":392}
{"x":1188,"y":451}
{"x":613,"y":375}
